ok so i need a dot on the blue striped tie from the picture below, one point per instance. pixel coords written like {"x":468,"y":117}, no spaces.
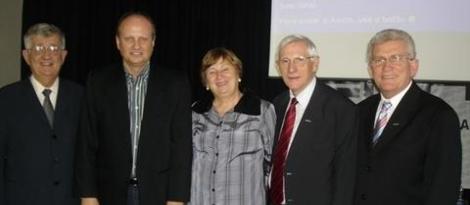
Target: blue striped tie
{"x":381,"y":121}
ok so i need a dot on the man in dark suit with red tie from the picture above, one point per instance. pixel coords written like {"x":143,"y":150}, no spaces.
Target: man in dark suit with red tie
{"x":315,"y":141}
{"x":409,"y":149}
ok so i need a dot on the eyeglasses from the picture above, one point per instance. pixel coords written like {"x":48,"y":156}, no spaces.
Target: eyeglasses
{"x":42,"y":49}
{"x":393,"y":60}
{"x":298,"y":61}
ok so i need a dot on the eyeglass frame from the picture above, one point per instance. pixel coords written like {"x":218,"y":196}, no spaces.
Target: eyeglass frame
{"x":395,"y":59}
{"x":298,"y":61}
{"x":41,"y":49}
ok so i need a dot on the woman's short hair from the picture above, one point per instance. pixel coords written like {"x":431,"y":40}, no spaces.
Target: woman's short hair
{"x":214,"y":55}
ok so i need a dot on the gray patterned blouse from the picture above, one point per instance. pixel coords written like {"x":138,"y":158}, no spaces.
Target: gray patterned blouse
{"x":232,"y":154}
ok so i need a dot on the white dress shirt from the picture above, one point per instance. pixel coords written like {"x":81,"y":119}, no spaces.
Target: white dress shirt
{"x":38,"y":88}
{"x":303,"y":98}
{"x":395,"y":100}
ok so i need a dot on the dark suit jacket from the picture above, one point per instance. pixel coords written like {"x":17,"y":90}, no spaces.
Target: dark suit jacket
{"x":320,"y":167}
{"x":36,"y":164}
{"x":104,"y":157}
{"x":417,"y":159}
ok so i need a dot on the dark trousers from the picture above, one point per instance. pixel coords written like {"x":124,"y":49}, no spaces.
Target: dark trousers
{"x":466,"y":195}
{"x":133,"y":194}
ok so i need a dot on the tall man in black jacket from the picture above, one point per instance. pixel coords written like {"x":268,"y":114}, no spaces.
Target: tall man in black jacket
{"x":134,"y":146}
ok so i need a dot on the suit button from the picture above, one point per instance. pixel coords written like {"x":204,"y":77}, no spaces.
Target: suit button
{"x":368,"y":168}
{"x":363,"y":196}
{"x":56,"y":160}
{"x":213,"y":190}
{"x":54,"y":137}
{"x":57,"y":182}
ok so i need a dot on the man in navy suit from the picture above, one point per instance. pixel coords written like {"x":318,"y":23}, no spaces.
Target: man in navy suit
{"x":409,"y":143}
{"x":134,"y":146}
{"x":315,"y":149}
{"x":38,"y":122}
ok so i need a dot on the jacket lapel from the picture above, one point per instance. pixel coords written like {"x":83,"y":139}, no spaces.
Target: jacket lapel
{"x":61,"y":107}
{"x":33,"y":101}
{"x":401,"y":117}
{"x":369,"y":119}
{"x":118,"y":95}
{"x":312,"y":118}
{"x":281,"y":107}
{"x":155,"y":103}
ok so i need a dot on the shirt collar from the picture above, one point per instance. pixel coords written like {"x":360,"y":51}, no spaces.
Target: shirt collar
{"x":144,"y":73}
{"x":38,"y":87}
{"x":395,"y":100}
{"x":249,"y":104}
{"x":304,"y":96}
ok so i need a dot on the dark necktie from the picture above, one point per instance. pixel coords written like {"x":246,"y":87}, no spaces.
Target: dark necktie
{"x":47,"y":105}
{"x":280,"y":154}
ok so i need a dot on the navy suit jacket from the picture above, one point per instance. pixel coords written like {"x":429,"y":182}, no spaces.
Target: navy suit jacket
{"x":417,"y":160}
{"x":104,"y":157}
{"x":36,"y":164}
{"x":320,"y":166}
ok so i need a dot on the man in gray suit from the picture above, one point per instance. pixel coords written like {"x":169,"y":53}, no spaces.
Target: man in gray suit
{"x":38,"y":123}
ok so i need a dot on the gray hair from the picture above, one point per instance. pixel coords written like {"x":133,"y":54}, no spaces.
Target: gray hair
{"x":312,"y":49}
{"x":45,"y":30}
{"x":390,"y":35}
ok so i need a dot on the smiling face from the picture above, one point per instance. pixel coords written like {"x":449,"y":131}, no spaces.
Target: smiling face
{"x":135,"y":41}
{"x":296,"y":66}
{"x":392,"y":78}
{"x":45,"y":63}
{"x":222,"y":79}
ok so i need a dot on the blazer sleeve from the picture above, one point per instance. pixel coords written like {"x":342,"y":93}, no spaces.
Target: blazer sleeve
{"x":86,"y":147}
{"x":3,"y":147}
{"x":267,"y":131}
{"x":443,"y":162}
{"x":345,"y":156}
{"x":180,"y":143}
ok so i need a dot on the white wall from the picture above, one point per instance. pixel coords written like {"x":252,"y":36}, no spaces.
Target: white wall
{"x":10,"y":40}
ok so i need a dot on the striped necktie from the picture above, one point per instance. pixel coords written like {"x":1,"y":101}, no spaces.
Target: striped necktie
{"x":382,"y":120}
{"x":280,"y":154}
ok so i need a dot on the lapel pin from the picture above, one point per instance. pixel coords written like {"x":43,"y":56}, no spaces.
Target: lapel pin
{"x":395,"y":124}
{"x":308,"y":120}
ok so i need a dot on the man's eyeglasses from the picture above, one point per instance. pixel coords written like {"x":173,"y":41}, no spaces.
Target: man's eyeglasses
{"x":298,"y":61}
{"x":42,"y":49}
{"x":393,"y":60}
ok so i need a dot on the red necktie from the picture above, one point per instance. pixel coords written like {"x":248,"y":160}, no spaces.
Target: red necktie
{"x":280,"y":154}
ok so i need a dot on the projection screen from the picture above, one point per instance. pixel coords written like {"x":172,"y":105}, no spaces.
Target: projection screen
{"x":341,"y":30}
